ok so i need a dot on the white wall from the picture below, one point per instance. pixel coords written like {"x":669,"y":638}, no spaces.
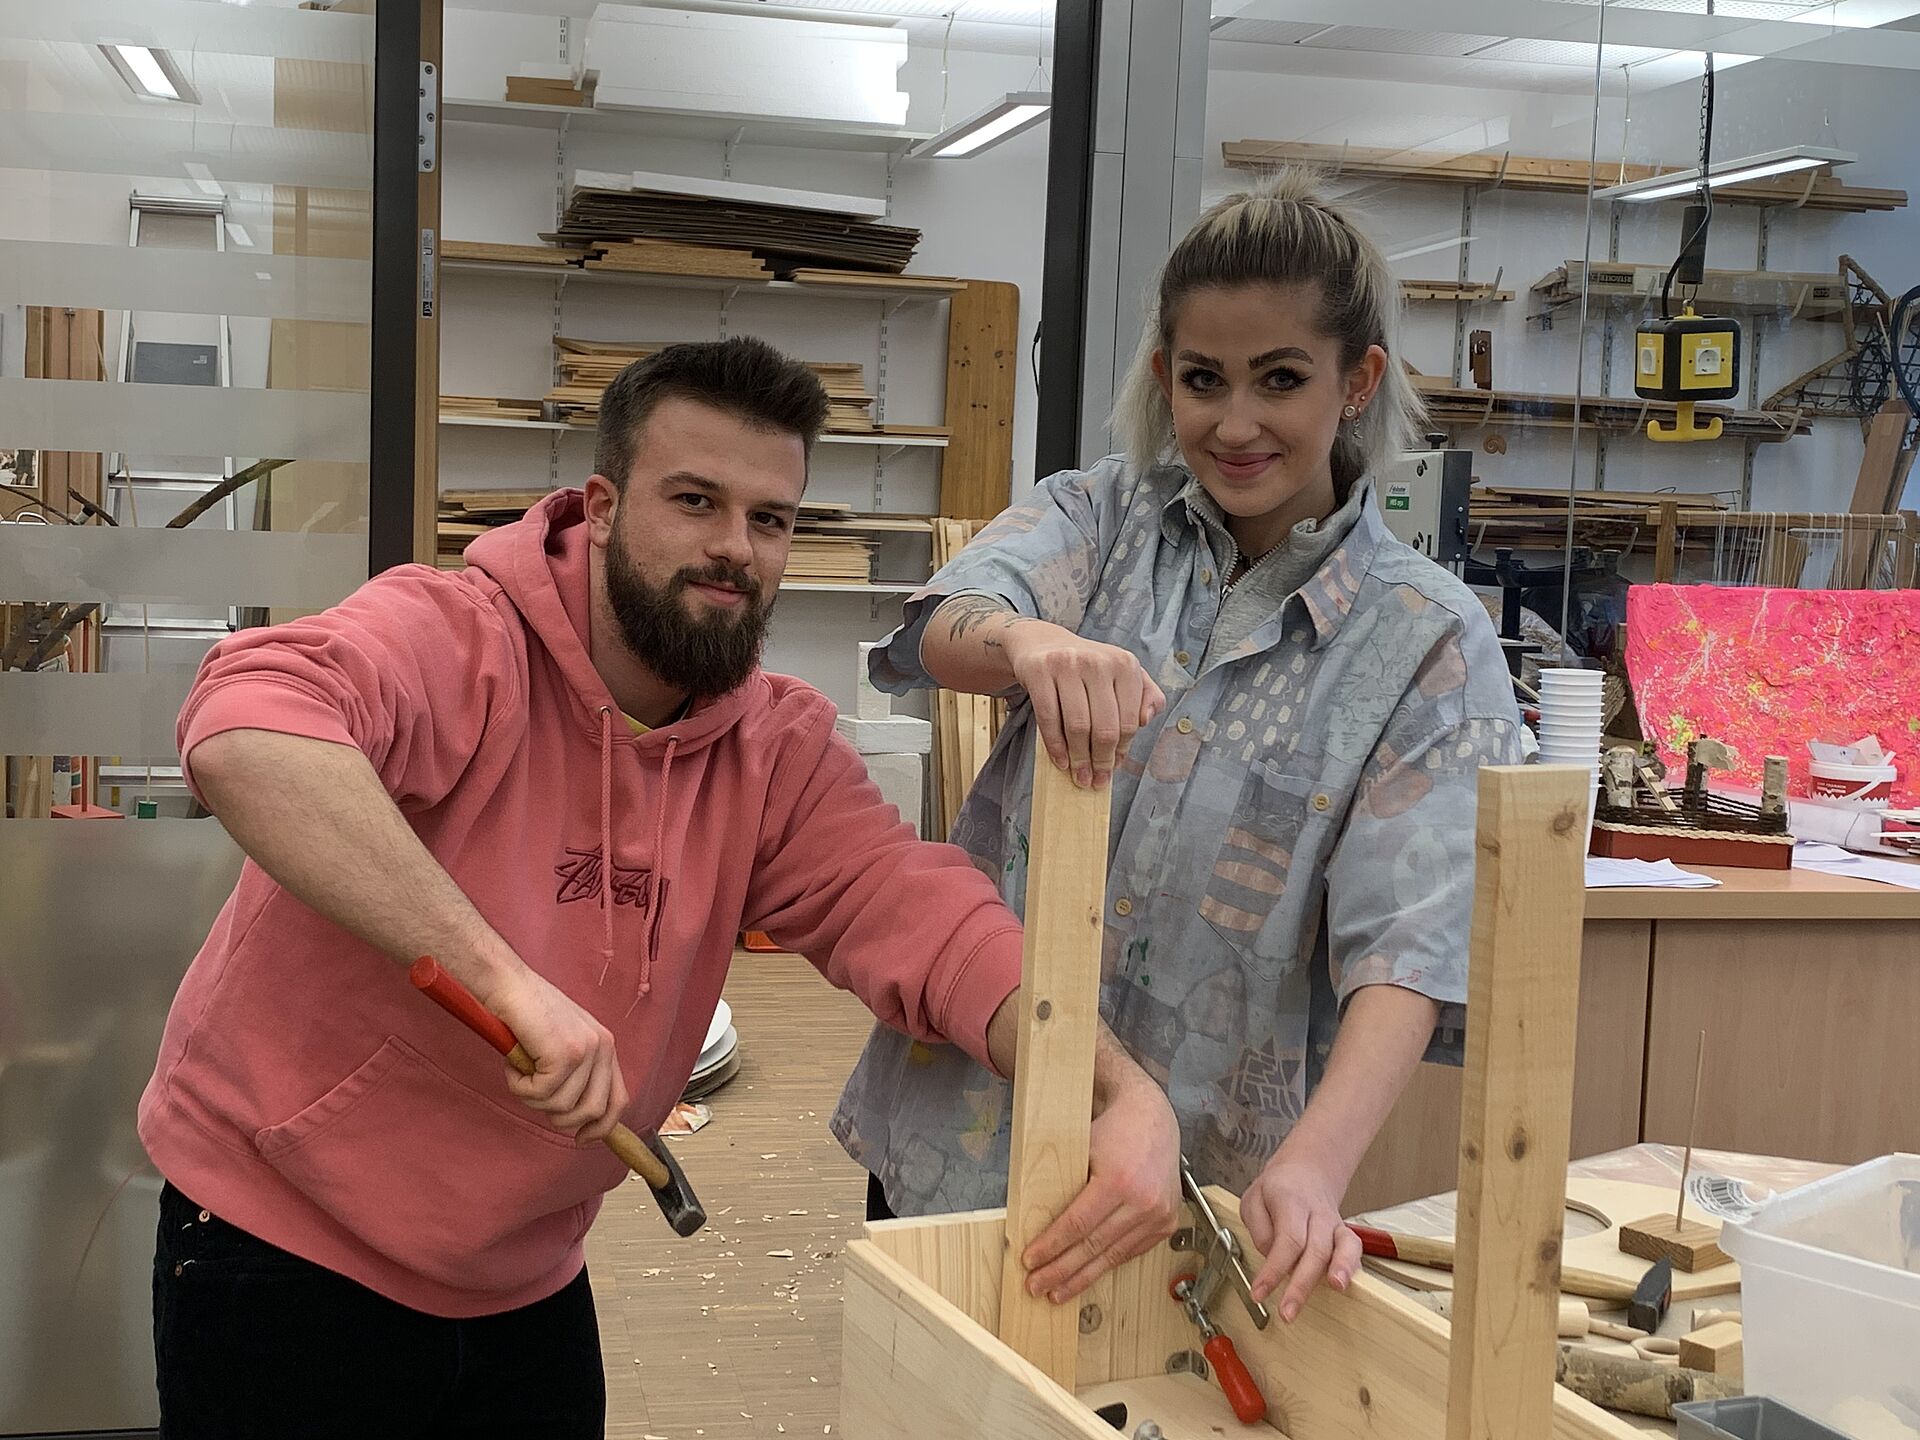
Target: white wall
{"x":982,"y":218}
{"x":1522,"y":237}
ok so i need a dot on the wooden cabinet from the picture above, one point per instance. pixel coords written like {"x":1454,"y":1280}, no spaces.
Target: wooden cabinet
{"x":1415,"y":1154}
{"x":1813,"y":1036}
{"x":1807,"y":985}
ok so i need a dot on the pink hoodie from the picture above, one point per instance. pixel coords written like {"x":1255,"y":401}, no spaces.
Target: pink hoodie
{"x":307,"y":1093}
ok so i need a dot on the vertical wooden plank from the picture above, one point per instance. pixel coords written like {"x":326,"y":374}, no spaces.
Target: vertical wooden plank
{"x":1053,"y":1076}
{"x":983,"y":330}
{"x":1666,"y":559}
{"x":426,"y":380}
{"x":1517,"y":1100}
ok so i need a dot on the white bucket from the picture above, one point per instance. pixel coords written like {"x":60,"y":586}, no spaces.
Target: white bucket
{"x":1869,"y":785}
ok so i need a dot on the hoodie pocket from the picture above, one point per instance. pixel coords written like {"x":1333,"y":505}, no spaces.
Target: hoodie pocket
{"x":436,"y":1177}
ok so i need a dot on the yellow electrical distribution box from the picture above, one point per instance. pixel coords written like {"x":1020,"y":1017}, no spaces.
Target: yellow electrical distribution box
{"x":1687,"y":359}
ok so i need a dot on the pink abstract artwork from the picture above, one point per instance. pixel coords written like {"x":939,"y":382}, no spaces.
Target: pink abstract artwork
{"x":1765,"y":671}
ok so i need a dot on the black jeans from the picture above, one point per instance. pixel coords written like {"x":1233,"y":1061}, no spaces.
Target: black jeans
{"x":250,"y":1341}
{"x":877,"y":1207}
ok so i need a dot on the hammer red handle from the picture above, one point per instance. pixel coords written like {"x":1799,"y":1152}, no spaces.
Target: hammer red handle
{"x":454,"y":998}
{"x":458,"y":1001}
{"x":1232,"y":1373}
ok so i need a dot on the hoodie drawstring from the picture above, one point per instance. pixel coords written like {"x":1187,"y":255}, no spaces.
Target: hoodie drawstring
{"x":656,"y":878}
{"x":606,"y":843}
{"x":656,"y":882}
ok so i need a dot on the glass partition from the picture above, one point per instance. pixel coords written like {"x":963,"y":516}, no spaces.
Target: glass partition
{"x":186,"y":323}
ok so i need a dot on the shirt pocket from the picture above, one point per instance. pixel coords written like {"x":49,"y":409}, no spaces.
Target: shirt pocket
{"x":1263,"y":891}
{"x":394,"y":1152}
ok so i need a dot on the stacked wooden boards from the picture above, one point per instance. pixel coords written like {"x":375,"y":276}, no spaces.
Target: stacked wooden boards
{"x":662,"y":257}
{"x":965,"y":727}
{"x":788,"y":230}
{"x":488,"y":407}
{"x":547,"y":90}
{"x":500,"y":254}
{"x":1793,"y":294}
{"x":465,"y":515}
{"x":587,"y":367}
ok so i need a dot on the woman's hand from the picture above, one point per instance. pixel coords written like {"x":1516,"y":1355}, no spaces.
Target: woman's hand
{"x":1089,"y":699}
{"x":1292,"y":1211}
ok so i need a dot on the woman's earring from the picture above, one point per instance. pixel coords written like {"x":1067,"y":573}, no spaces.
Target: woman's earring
{"x":1351,"y":411}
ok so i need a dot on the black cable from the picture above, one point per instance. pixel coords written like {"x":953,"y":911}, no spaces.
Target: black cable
{"x":1706,"y":191}
{"x":1033,"y":357}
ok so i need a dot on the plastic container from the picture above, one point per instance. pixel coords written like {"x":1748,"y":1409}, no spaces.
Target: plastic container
{"x":1830,"y":1291}
{"x":1746,"y":1417}
{"x":1870,"y":785}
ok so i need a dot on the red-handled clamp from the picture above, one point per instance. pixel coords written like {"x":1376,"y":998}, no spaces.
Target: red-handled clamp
{"x":1221,"y":1259}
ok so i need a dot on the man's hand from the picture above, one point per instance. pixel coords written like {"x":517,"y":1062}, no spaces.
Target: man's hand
{"x":1292,"y":1211}
{"x":576,"y":1081}
{"x":1131,"y":1202}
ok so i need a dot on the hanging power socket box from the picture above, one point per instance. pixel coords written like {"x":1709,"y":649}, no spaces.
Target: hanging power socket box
{"x":1423,"y":496}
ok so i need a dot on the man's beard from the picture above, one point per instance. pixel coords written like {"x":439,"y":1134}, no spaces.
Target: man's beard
{"x":702,"y":654}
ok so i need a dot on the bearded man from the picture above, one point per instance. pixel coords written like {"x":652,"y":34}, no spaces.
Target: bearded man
{"x":562,"y":773}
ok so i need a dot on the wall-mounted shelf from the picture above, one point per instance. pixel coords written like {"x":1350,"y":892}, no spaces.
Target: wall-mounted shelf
{"x":1454,"y":408}
{"x":879,"y":441}
{"x":1790,"y":295}
{"x":678,"y":125}
{"x":1561,"y":177}
{"x":877,"y":289}
{"x":1471,"y":292}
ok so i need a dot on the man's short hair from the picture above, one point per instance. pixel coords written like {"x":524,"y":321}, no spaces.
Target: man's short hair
{"x":747,"y":378}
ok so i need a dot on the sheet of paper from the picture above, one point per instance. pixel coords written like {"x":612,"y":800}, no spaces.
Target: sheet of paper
{"x":1605,"y":873}
{"x":1832,"y":860}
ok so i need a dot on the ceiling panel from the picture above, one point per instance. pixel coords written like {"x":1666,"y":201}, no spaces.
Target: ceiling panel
{"x":1402,"y":42}
{"x":1732,"y":9}
{"x":1267,"y":32}
{"x":1567,"y":52}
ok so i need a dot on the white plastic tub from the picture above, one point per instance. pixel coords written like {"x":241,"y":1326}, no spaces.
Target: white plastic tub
{"x":1861,"y":784}
{"x":1830,"y":1291}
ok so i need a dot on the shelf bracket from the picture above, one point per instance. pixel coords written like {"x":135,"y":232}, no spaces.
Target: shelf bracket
{"x":726,"y":162}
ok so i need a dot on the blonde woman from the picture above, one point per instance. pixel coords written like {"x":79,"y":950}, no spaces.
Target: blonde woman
{"x":1289,"y":706}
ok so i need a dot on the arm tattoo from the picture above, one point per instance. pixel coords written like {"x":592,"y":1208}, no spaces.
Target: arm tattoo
{"x":967,"y":613}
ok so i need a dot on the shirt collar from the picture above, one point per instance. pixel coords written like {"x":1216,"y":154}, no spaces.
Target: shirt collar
{"x":1330,"y":591}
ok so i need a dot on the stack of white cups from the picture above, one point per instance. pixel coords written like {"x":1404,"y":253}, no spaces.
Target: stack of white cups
{"x":1570,"y":719}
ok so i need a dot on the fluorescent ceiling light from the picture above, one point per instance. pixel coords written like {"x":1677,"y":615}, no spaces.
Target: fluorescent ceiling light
{"x":150,"y":73}
{"x":1730,"y":172}
{"x":1006,"y":117}
{"x":1447,"y":244}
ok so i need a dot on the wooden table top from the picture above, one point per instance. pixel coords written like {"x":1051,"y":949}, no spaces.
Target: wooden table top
{"x":1760,"y":895}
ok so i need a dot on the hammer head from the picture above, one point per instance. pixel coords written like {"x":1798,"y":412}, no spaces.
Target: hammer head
{"x":677,"y":1201}
{"x":1650,"y":1301}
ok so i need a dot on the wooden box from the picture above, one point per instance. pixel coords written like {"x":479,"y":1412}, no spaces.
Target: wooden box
{"x":921,"y":1357}
{"x":928,"y":1301}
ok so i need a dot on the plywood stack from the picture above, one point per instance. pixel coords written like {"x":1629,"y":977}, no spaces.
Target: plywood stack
{"x":493,"y":252}
{"x":465,"y":515}
{"x":825,"y":551}
{"x":587,"y":367}
{"x":787,"y":229}
{"x":489,"y":407}
{"x":662,"y":257}
{"x":965,"y":727}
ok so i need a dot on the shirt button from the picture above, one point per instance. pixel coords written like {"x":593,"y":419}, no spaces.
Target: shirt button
{"x":179,"y":1270}
{"x":1123,"y":906}
{"x":1181,"y":657}
{"x":1206,"y":577}
{"x":1185,"y":726}
{"x":1321,"y":802}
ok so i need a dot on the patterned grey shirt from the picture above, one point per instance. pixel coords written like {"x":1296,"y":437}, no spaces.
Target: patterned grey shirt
{"x":1298,"y":822}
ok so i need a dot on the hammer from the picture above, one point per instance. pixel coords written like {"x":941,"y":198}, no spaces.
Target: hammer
{"x":647,"y":1158}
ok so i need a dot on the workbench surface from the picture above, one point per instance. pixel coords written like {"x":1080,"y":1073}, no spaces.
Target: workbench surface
{"x":1644,"y":1164}
{"x":1760,"y":895}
